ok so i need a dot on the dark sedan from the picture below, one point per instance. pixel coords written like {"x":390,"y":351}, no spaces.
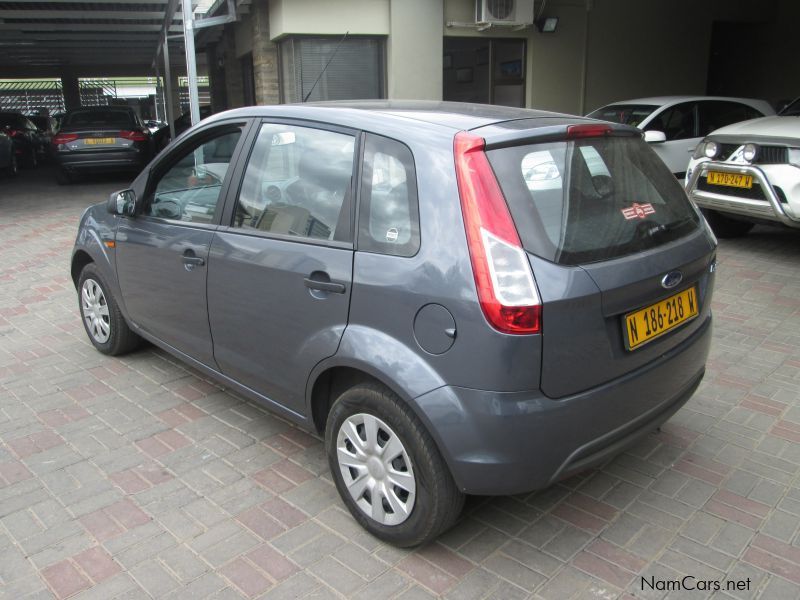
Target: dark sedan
{"x":24,"y":135}
{"x":101,"y":139}
{"x":47,"y":126}
{"x":8,"y":159}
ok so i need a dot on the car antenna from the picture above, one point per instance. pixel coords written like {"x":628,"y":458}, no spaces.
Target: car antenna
{"x":321,"y":73}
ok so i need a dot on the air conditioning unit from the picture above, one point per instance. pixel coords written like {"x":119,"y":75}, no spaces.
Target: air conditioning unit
{"x":519,"y":12}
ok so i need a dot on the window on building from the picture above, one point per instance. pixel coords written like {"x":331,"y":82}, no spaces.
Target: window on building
{"x":355,"y":68}
{"x":484,"y":70}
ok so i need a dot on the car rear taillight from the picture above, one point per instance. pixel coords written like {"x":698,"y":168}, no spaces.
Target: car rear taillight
{"x":64,"y":138}
{"x":506,"y":290}
{"x":13,"y":132}
{"x":134,"y":136}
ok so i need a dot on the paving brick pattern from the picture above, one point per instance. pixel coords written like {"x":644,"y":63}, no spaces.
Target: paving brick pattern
{"x":136,"y":477}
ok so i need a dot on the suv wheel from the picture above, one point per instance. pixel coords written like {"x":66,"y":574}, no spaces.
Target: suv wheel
{"x":102,"y":319}
{"x":724,"y":226}
{"x":387,"y":468}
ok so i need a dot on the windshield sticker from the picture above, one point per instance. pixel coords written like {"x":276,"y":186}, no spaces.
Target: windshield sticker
{"x":638,"y":211}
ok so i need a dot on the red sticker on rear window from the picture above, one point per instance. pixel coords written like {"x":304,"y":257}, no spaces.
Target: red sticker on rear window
{"x":638,"y":211}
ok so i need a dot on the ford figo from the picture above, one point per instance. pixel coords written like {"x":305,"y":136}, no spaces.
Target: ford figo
{"x":460,"y":299}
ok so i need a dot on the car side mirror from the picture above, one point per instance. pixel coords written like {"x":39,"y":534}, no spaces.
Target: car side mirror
{"x":122,"y":203}
{"x":655,"y":137}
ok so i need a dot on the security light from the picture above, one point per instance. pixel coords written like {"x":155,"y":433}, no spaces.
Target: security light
{"x":547,"y":24}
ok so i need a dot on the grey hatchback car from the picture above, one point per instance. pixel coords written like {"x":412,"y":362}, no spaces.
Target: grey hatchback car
{"x":462,"y":299}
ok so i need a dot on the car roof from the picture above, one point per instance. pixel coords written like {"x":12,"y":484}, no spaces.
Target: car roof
{"x":452,"y":115}
{"x":663,"y":100}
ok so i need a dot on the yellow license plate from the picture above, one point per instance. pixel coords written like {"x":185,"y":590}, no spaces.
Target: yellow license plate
{"x":98,"y":141}
{"x":730,"y":179}
{"x":648,"y":323}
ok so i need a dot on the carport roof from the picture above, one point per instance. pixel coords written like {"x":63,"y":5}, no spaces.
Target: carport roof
{"x":77,"y":33}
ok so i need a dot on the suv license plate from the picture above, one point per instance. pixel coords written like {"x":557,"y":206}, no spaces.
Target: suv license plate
{"x":730,"y":179}
{"x":648,"y":323}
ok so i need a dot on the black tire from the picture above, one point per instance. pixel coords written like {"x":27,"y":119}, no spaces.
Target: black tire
{"x":438,"y":502}
{"x":32,"y":160}
{"x":121,"y":339}
{"x":62,"y":177}
{"x":13,"y":167}
{"x":724,"y":226}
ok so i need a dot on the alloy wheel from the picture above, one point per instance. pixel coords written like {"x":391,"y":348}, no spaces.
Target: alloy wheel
{"x":95,"y":311}
{"x":376,"y":469}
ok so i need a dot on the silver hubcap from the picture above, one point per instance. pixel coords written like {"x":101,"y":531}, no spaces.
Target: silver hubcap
{"x":95,"y":311}
{"x":376,"y":469}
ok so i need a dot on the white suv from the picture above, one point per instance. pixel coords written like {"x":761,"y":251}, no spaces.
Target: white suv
{"x":749,"y":173}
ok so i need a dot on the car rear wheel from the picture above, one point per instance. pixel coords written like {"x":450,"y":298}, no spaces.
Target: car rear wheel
{"x":388,"y":469}
{"x":724,"y":226}
{"x":33,"y":159}
{"x":101,"y":317}
{"x":13,"y":166}
{"x":62,"y":177}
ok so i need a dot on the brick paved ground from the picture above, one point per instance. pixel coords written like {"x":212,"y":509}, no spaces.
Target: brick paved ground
{"x":136,"y":477}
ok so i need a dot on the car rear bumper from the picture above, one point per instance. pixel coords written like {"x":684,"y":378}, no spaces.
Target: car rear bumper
{"x":508,"y":443}
{"x":101,"y":161}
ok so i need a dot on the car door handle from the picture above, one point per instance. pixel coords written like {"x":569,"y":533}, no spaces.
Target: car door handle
{"x":324,"y":286}
{"x":194,"y":260}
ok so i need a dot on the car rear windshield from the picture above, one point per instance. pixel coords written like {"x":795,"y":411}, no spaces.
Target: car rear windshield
{"x":98,"y":118}
{"x":594,"y":199}
{"x":627,"y":114}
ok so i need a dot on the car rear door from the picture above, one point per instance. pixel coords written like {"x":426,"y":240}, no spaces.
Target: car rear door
{"x":280,"y":272}
{"x":612,"y":241}
{"x":162,"y":252}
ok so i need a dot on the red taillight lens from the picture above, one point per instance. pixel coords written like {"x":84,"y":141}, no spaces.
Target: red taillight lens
{"x":587,"y":130}
{"x":13,"y":132}
{"x":506,"y":290}
{"x":134,"y":136}
{"x":64,"y":138}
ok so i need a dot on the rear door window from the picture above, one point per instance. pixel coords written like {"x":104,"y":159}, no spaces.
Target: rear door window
{"x":593,"y":199}
{"x":298,"y":183}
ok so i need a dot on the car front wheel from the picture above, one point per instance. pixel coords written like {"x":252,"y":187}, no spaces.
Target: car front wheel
{"x":102,"y":319}
{"x":388,"y":469}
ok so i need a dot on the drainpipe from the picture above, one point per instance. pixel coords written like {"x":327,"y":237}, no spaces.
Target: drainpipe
{"x":585,"y":59}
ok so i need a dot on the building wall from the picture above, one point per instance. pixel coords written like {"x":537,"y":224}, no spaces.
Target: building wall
{"x":414,"y":50}
{"x":603,"y":50}
{"x":328,"y":17}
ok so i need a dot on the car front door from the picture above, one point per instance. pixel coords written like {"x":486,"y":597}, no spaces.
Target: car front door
{"x":280,"y":273}
{"x":162,"y":252}
{"x":679,"y":124}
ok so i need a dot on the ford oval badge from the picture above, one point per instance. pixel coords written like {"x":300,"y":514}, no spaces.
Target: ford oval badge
{"x":671,"y":279}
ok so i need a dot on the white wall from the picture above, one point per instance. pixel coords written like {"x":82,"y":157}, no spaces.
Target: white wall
{"x":414,"y":61}
{"x":328,"y":17}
